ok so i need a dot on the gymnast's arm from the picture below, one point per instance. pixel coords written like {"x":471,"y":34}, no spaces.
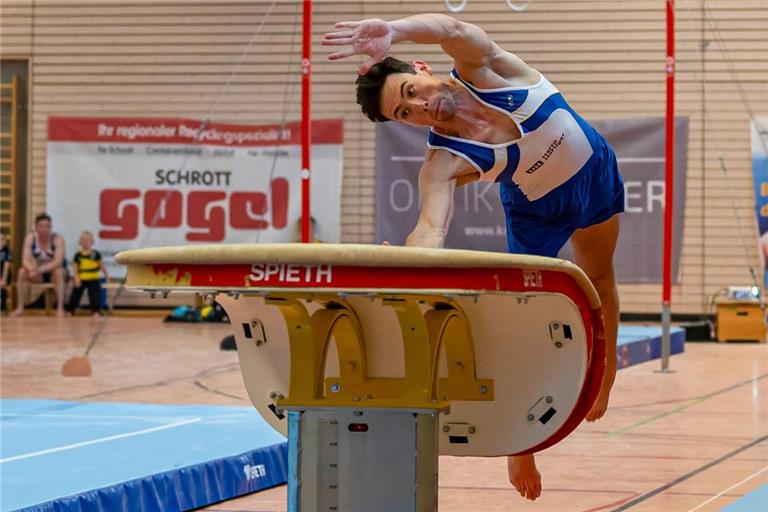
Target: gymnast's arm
{"x":438,"y":178}
{"x":464,"y":42}
{"x":475,"y":54}
{"x":469,"y":45}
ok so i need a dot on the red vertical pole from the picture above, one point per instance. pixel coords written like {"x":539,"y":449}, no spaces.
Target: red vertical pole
{"x":669,"y":180}
{"x":306,"y":118}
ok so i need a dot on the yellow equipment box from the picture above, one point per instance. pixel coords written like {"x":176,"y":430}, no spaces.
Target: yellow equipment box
{"x":740,"y":321}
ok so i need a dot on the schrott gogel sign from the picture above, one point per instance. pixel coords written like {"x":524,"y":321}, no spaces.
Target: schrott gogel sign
{"x":152,"y":182}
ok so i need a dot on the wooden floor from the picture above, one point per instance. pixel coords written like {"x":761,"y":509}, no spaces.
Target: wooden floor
{"x":692,"y":440}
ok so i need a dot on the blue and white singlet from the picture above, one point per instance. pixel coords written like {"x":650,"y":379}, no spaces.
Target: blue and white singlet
{"x":559,"y":176}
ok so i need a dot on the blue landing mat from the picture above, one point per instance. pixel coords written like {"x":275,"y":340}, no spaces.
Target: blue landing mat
{"x":755,"y":501}
{"x":638,"y":344}
{"x":67,"y":456}
{"x":99,"y":457}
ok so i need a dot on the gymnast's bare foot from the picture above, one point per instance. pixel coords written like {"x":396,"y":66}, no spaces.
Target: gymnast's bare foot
{"x":524,"y":476}
{"x":601,"y":404}
{"x":18,"y":312}
{"x":599,"y":407}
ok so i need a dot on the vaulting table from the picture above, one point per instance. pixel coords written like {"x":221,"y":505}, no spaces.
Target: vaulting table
{"x":433,"y":351}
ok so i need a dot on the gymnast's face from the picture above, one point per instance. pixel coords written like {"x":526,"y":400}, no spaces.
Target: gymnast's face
{"x":419,"y":99}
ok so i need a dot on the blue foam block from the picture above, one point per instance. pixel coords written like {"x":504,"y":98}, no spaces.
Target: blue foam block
{"x":638,"y":344}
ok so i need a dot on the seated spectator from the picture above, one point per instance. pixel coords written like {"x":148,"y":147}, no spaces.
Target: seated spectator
{"x":42,"y":261}
{"x":88,"y":267}
{"x":5,"y":270}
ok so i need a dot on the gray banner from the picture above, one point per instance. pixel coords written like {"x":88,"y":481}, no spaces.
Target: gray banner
{"x":478,"y":221}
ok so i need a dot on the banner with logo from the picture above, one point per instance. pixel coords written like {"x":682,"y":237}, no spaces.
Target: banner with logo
{"x":479,"y":222}
{"x":147,"y":182}
{"x":759,"y":131}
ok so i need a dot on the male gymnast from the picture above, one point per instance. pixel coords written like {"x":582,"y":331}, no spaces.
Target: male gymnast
{"x":496,"y":119}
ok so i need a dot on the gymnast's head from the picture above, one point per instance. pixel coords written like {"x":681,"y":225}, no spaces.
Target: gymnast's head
{"x":394,"y":90}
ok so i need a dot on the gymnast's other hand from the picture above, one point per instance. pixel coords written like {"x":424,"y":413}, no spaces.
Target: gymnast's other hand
{"x":372,"y":37}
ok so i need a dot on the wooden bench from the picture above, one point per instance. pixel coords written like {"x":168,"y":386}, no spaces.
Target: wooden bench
{"x":114,"y":287}
{"x":48,"y":290}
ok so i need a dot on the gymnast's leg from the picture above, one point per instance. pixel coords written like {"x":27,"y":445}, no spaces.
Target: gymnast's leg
{"x":593,"y":250}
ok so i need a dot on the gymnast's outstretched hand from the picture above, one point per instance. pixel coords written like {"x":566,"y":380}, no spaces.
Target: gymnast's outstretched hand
{"x":372,"y":37}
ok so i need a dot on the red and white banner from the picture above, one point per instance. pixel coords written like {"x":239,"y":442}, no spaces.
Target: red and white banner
{"x":136,"y":182}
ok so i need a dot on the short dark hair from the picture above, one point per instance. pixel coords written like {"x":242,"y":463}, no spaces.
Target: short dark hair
{"x":369,"y":86}
{"x":42,"y":217}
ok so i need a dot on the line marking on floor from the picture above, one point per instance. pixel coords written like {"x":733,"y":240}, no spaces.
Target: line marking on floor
{"x":713,"y":498}
{"x":690,"y":474}
{"x":89,"y":416}
{"x":11,"y":415}
{"x":613,"y":504}
{"x":99,"y":440}
{"x":681,"y":408}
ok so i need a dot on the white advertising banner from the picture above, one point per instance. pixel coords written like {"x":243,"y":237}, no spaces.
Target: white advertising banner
{"x":147,"y":182}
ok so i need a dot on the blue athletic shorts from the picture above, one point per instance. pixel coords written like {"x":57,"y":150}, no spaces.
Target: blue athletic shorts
{"x":591,"y":196}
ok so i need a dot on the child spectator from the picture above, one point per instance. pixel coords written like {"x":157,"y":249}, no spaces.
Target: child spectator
{"x":5,"y":271}
{"x":87,"y":265}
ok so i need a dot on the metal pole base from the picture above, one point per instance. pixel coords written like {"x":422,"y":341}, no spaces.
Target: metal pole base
{"x":666,"y":340}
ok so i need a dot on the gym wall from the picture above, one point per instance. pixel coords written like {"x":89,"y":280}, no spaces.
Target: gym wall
{"x":171,"y":58}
